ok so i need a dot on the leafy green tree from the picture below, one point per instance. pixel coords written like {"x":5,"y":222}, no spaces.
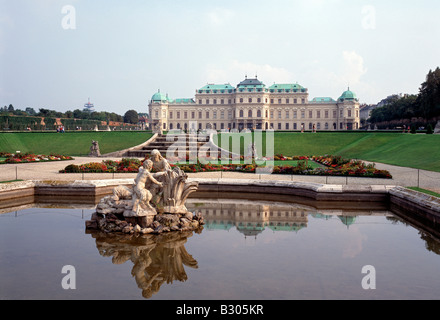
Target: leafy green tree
{"x":131,"y":116}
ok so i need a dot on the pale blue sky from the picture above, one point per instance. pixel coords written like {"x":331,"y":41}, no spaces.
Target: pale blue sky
{"x":122,"y":52}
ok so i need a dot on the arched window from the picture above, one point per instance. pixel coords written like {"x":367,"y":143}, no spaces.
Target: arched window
{"x":258,"y":113}
{"x":250,"y":113}
{"x":241,"y":113}
{"x":178,"y":126}
{"x":171,"y":126}
{"x":326,"y":126}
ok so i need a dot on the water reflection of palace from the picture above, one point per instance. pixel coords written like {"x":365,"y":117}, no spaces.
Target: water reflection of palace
{"x":252,"y":217}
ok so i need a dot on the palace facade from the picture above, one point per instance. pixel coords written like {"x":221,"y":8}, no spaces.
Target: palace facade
{"x":253,"y":105}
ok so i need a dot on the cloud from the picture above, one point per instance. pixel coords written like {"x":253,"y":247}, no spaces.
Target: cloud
{"x":236,"y":70}
{"x":354,"y":68}
{"x":220,"y":16}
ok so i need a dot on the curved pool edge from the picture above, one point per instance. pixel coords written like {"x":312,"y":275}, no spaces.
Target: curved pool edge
{"x":419,"y":204}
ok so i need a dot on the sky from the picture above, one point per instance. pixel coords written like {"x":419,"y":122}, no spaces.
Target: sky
{"x":56,"y":54}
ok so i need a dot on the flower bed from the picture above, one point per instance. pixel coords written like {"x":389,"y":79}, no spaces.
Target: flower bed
{"x":338,"y":166}
{"x":334,"y":166}
{"x":30,"y":157}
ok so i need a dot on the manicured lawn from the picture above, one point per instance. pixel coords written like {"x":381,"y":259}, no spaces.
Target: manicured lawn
{"x":70,"y":143}
{"x":420,"y":151}
{"x":431,"y":193}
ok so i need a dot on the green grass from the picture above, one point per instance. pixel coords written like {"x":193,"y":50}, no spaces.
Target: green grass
{"x":70,"y":143}
{"x":420,"y":151}
{"x":431,"y":193}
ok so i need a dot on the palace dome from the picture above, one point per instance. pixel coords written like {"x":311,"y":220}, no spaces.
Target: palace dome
{"x":348,"y":95}
{"x":159,"y":97}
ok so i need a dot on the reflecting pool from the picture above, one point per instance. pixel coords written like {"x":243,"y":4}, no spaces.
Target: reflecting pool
{"x":248,"y":249}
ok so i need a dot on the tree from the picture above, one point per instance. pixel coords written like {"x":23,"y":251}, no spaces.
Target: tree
{"x":131,"y":116}
{"x":429,"y":96}
{"x":11,"y":108}
{"x":30,"y":111}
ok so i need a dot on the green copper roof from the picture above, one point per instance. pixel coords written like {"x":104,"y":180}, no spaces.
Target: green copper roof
{"x":159,"y":97}
{"x":322,"y":100}
{"x":287,"y":87}
{"x":348,"y":95}
{"x":217,"y":88}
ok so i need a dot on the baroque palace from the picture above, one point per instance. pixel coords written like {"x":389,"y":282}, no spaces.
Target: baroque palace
{"x":252,"y":105}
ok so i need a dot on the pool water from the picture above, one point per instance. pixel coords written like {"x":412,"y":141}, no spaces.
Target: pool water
{"x":248,"y":250}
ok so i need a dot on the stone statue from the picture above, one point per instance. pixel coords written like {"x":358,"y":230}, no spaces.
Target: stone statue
{"x":437,"y":128}
{"x":161,"y":193}
{"x":141,"y":194}
{"x":94,"y":149}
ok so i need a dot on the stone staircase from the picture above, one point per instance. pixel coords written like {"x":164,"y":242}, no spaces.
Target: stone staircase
{"x":178,"y":142}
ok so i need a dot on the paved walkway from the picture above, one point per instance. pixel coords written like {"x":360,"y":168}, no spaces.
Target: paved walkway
{"x":402,"y":176}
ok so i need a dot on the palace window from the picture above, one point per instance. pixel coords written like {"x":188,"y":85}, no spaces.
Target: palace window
{"x":303,"y":101}
{"x":214,"y":114}
{"x":271,"y":114}
{"x":349,"y":113}
{"x":287,"y":114}
{"x":207,"y":101}
{"x":295,"y":100}
{"x":279,"y":114}
{"x":229,"y":114}
{"x":200,"y":115}
{"x":310,"y":114}
{"x":185,"y":115}
{"x":271,"y":100}
{"x":303,"y":114}
{"x":171,"y":114}
{"x":318,"y":114}
{"x":287,"y":126}
{"x":178,"y":114}
{"x":279,"y":101}
{"x":279,"y":126}
{"x":215,"y":101}
{"x":171,"y":126}
{"x":241,"y":114}
{"x":250,"y":114}
{"x":250,"y":100}
{"x":334,"y":114}
{"x":200,"y":101}
{"x":326,"y":114}
{"x":222,"y":114}
{"x":326,"y":126}
{"x":207,"y":114}
{"x":295,"y":114}
{"x":258,"y":100}
{"x":318,"y":126}
{"x":222,"y":101}
{"x":258,"y":113}
{"x":295,"y":126}
{"x":193,"y":115}
{"x":287,"y":100}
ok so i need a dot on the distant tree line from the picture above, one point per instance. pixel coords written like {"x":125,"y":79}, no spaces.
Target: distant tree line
{"x":75,"y":114}
{"x":422,"y":109}
{"x":28,"y":119}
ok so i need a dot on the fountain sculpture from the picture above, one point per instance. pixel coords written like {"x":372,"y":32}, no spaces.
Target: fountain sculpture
{"x":155,"y":203}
